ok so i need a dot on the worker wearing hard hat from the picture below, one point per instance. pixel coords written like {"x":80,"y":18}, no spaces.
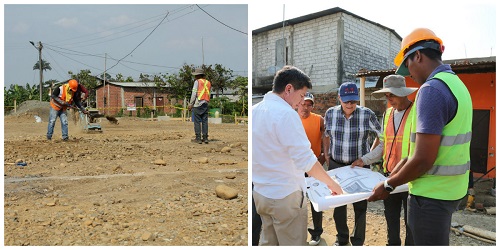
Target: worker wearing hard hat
{"x":67,"y":95}
{"x":200,"y":97}
{"x":437,"y":169}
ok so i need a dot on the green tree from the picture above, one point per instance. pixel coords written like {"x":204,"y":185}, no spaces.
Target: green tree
{"x":119,"y":78}
{"x":45,"y":66}
{"x":219,"y":76}
{"x":88,"y":80}
{"x":144,"y":78}
{"x":240,"y":84}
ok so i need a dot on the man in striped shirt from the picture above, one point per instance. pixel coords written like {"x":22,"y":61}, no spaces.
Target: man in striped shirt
{"x":350,"y":129}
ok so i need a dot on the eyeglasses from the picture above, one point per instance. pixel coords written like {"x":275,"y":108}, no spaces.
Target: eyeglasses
{"x":389,"y":95}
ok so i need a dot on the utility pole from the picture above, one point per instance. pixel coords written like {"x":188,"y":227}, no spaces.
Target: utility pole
{"x":105,"y":101}
{"x":39,"y":48}
{"x":202,"y":53}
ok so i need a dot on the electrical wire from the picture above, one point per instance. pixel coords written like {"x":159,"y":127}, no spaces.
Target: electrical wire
{"x":139,"y":43}
{"x":119,"y":27}
{"x":220,"y":21}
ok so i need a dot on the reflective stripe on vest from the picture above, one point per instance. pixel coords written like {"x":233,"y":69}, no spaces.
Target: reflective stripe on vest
{"x":448,"y":178}
{"x":399,"y":147}
{"x":64,"y":95}
{"x":204,"y":89}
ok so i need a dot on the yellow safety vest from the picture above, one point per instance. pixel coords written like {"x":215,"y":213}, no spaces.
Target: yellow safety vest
{"x":449,"y":177}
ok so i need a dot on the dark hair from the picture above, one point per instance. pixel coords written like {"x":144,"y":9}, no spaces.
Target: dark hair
{"x":432,"y":53}
{"x":290,"y":75}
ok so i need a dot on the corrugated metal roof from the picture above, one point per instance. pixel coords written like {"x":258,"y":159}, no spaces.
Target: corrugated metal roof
{"x":133,"y":84}
{"x":318,"y":15}
{"x":459,"y":66}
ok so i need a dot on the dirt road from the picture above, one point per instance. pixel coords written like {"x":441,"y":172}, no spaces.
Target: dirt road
{"x":137,"y":183}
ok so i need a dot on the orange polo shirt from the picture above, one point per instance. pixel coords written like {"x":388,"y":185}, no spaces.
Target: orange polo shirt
{"x":312,"y":125}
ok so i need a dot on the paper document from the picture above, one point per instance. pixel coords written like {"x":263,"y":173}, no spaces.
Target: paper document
{"x":357,"y":184}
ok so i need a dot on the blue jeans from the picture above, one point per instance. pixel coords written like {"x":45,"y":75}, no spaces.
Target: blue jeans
{"x":429,"y":220}
{"x":52,"y":122}
{"x":201,"y":118}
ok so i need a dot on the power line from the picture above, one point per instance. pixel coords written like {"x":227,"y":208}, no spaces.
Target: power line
{"x":140,"y":42}
{"x":126,"y":35}
{"x":114,"y":28}
{"x":56,"y":64}
{"x":220,"y":21}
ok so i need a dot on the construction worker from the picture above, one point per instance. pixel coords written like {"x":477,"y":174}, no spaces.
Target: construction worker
{"x":200,"y":96}
{"x":437,"y":169}
{"x":67,"y":95}
{"x":314,"y":125}
{"x":393,"y":146}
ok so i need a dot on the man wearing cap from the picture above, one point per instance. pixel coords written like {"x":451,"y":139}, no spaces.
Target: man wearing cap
{"x":200,"y":96}
{"x":62,"y":98}
{"x":314,"y":126}
{"x":281,"y":154}
{"x":394,"y":146}
{"x":437,"y":169}
{"x":349,"y":128}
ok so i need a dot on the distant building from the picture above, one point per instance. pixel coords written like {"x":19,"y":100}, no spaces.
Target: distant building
{"x":331,"y":46}
{"x":128,"y":97}
{"x":113,"y":97}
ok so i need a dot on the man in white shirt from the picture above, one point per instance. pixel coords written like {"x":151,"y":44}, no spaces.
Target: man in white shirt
{"x":281,"y":154}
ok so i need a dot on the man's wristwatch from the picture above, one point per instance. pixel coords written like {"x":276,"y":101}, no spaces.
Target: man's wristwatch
{"x":388,"y":187}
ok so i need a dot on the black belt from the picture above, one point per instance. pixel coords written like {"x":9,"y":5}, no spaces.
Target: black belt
{"x":341,"y":163}
{"x":347,"y":164}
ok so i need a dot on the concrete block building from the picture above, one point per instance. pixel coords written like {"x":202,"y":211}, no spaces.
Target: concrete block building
{"x":331,"y":46}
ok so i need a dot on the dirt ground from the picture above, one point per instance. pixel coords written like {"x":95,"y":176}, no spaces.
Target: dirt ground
{"x":138,"y":183}
{"x":144,"y":183}
{"x":376,"y":229}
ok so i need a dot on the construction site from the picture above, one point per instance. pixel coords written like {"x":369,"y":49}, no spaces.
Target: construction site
{"x":136,"y":182}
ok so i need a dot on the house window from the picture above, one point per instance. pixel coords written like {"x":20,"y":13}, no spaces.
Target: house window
{"x":281,"y":53}
{"x":105,"y":101}
{"x":138,"y":101}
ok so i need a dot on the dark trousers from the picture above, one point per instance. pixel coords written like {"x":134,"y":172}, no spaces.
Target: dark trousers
{"x":392,"y":211}
{"x":201,"y":119}
{"x":429,"y":220}
{"x":317,"y":218}
{"x":340,"y":217}
{"x":256,"y":224}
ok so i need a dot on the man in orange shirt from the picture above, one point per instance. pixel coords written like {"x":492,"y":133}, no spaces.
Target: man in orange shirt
{"x":314,"y":126}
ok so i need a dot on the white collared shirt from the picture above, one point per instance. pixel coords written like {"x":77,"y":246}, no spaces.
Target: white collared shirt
{"x":281,"y":152}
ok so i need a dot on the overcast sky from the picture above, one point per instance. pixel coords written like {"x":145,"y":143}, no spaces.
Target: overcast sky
{"x":77,"y":37}
{"x":467,"y":28}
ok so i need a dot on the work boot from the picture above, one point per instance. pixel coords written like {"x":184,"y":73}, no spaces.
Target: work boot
{"x":198,"y":139}
{"x":205,"y":139}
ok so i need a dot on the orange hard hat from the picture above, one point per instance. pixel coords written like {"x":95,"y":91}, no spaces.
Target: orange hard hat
{"x":417,"y":35}
{"x":73,"y":85}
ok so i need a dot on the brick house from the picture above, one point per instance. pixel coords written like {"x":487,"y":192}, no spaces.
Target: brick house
{"x":129,"y":97}
{"x":331,"y":46}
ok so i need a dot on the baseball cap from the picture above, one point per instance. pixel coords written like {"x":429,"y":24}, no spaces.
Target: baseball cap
{"x":309,"y":96}
{"x":348,"y":91}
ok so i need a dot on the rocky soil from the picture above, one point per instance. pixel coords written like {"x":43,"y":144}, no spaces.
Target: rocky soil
{"x":138,"y":183}
{"x":376,"y":229}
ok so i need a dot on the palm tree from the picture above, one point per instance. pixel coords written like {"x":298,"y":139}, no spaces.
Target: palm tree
{"x":45,"y":65}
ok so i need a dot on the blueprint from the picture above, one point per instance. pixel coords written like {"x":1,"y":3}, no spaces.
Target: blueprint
{"x":357,"y":184}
